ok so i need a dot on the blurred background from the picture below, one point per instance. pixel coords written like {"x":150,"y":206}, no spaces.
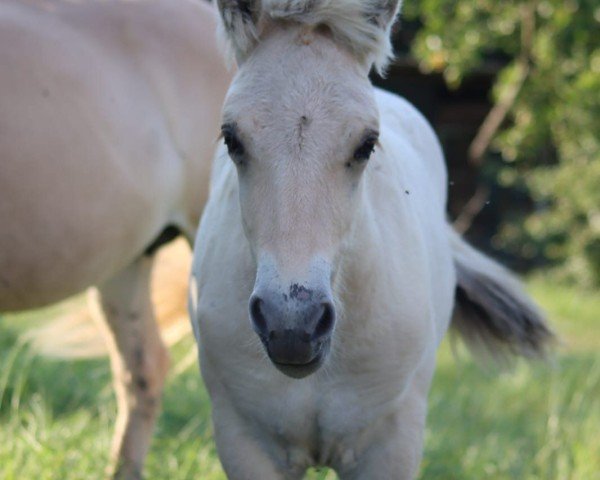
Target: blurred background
{"x":513,"y":90}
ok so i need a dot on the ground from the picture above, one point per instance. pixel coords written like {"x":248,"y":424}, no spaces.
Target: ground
{"x":534,"y":421}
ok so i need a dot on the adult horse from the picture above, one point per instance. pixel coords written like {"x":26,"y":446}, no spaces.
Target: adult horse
{"x":325,"y":273}
{"x":108,"y":120}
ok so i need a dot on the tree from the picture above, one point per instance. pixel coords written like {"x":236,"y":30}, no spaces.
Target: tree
{"x":546,"y":99}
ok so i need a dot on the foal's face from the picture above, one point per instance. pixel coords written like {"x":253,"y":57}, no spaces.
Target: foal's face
{"x":300,"y":123}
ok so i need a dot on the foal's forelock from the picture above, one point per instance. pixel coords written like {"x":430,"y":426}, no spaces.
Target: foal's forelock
{"x":361,"y":26}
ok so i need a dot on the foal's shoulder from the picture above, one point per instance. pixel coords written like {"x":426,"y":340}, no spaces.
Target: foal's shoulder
{"x":399,"y":116}
{"x":403,"y":117}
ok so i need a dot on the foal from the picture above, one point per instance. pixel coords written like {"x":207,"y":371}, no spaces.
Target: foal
{"x":325,"y":273}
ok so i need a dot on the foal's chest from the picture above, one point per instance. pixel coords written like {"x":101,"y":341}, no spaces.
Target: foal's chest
{"x":317,"y":422}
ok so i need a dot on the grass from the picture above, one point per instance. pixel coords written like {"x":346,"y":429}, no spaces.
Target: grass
{"x":536,"y":421}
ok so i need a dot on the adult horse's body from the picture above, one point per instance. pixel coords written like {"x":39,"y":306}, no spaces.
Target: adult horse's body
{"x":108,"y":117}
{"x":343,"y":267}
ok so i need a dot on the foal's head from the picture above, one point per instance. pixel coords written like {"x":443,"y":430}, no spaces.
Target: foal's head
{"x":300,"y":123}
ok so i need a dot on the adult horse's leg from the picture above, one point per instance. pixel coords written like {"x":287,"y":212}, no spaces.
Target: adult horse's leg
{"x":139,"y":361}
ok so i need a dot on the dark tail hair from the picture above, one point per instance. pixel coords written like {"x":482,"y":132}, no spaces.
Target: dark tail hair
{"x":492,"y":311}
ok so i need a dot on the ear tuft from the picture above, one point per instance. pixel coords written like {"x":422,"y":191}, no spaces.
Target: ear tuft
{"x":238,"y":27}
{"x":383,"y":14}
{"x":290,"y":7}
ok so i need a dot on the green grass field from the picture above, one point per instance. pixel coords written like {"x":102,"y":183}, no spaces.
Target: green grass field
{"x":535,"y":421}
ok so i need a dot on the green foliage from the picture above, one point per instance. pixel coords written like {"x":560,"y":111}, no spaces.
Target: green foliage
{"x":550,"y":52}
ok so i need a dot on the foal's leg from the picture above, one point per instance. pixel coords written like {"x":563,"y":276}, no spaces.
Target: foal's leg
{"x":396,"y":448}
{"x":396,"y":453}
{"x":242,"y":455}
{"x":139,"y":361}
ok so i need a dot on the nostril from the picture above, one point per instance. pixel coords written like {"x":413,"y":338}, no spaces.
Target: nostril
{"x":325,"y":323}
{"x":258,"y":319}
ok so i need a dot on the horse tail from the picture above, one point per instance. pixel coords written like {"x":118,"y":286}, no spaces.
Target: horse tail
{"x":76,"y":332}
{"x":492,"y":312}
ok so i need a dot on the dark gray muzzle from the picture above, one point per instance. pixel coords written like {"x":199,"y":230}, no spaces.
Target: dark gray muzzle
{"x":295,"y":328}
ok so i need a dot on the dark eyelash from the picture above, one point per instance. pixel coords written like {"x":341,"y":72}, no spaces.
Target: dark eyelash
{"x":232,"y":141}
{"x":364,"y":151}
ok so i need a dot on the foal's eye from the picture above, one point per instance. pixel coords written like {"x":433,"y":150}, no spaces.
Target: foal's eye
{"x":233,"y":143}
{"x":366,"y":148}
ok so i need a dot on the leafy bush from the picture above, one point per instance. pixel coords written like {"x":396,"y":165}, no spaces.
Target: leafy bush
{"x":550,"y":87}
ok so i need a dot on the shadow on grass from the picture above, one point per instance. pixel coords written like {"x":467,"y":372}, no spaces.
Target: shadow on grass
{"x":64,"y":385}
{"x":69,"y":385}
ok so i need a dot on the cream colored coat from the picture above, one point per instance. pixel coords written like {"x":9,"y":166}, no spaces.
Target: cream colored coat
{"x":108,"y":120}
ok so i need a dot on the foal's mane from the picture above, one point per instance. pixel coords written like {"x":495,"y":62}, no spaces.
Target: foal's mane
{"x":361,"y":26}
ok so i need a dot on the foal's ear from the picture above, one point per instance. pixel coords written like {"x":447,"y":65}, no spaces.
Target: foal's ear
{"x":382,"y":12}
{"x":240,"y":24}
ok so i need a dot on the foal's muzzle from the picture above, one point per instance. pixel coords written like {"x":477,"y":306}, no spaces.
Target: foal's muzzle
{"x":296,"y":332}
